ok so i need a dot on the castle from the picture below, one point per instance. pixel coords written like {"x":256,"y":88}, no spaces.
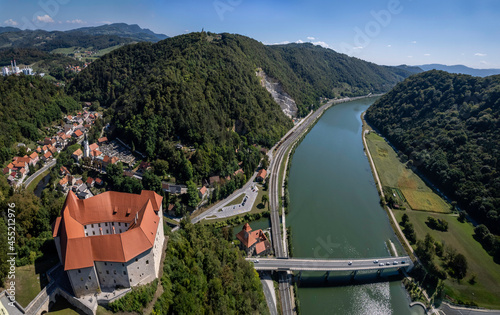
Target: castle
{"x":110,"y":241}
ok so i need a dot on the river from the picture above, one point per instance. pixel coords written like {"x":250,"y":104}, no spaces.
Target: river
{"x":335,"y":213}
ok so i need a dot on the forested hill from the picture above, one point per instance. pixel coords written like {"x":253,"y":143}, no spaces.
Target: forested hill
{"x":448,"y":126}
{"x":28,"y":103}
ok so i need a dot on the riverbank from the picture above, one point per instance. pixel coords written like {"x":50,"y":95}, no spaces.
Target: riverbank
{"x":481,"y":284}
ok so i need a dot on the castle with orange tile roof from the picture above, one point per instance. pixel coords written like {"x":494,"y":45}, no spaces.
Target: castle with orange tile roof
{"x":109,"y":241}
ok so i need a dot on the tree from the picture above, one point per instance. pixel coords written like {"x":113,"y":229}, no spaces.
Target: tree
{"x":160,"y":167}
{"x":151,"y":182}
{"x":193,"y":196}
{"x":265,"y":161}
{"x":459,"y":266}
{"x":404,"y":219}
{"x":265,"y":199}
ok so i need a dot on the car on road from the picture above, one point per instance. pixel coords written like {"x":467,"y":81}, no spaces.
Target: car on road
{"x":349,"y":263}
{"x":256,"y":261}
{"x":402,"y":262}
{"x":395,"y":263}
{"x":375,"y":261}
{"x":387,"y":263}
{"x":381,"y":264}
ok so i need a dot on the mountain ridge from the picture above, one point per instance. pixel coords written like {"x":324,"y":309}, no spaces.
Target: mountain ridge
{"x":460,"y":69}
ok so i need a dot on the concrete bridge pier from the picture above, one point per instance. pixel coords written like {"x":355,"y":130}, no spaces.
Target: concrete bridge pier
{"x":353,"y":274}
{"x":379,"y":272}
{"x":327,"y":275}
{"x":299,"y":277}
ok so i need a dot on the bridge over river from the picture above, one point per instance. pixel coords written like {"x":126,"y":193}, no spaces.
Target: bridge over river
{"x":354,"y":265}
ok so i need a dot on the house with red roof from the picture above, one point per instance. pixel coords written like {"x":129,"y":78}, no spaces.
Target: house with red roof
{"x":102,"y":140}
{"x":253,"y":242}
{"x":78,"y":133}
{"x":47,"y":156}
{"x":34,"y":158}
{"x":203,"y":192}
{"x":261,"y":175}
{"x":77,"y":155}
{"x":94,"y":146}
{"x":109,"y":241}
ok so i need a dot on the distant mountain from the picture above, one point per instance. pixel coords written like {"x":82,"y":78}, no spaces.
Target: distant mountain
{"x":132,"y":31}
{"x":98,"y":37}
{"x":460,"y":69}
{"x":412,"y":69}
{"x":5,"y":29}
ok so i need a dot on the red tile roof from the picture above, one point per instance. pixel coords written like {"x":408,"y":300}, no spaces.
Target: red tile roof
{"x":203,"y":190}
{"x":262,"y":174}
{"x":101,"y":140}
{"x":248,"y":238}
{"x":47,"y":155}
{"x":33,"y":155}
{"x":93,"y":146}
{"x":78,"y":133}
{"x":78,"y":152}
{"x":80,"y":251}
{"x":90,"y":180}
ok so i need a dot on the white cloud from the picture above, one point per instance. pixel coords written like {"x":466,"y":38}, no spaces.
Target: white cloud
{"x":483,"y":62}
{"x":77,"y":21}
{"x":480,"y":55}
{"x":427,"y":54}
{"x":389,"y":45}
{"x":300,"y":41}
{"x":311,"y":38}
{"x":322,"y":44}
{"x":410,"y":57}
{"x":44,"y":18}
{"x":414,"y":42}
{"x":10,"y":22}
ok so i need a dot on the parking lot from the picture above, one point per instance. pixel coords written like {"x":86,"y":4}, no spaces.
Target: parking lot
{"x":246,"y":205}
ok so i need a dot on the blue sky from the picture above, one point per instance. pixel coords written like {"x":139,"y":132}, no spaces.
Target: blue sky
{"x":387,"y":32}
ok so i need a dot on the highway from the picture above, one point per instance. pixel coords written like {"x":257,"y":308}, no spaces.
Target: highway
{"x":304,"y":264}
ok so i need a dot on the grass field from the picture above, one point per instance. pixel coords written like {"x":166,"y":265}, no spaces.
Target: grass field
{"x":459,"y":236}
{"x":27,"y":284}
{"x":62,"y":307}
{"x":486,"y":291}
{"x":393,"y":173}
{"x":425,"y":201}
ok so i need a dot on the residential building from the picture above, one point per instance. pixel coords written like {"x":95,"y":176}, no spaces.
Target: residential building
{"x":261,"y":175}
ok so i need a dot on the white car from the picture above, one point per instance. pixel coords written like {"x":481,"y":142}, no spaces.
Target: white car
{"x":349,"y":263}
{"x":375,"y":261}
{"x":381,"y":264}
{"x":256,"y":261}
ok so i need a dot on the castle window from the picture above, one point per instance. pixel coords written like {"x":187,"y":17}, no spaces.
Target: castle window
{"x":106,"y":224}
{"x":99,"y":224}
{"x":86,"y":234}
{"x":92,"y":225}
{"x":107,"y":231}
{"x":107,"y":272}
{"x":136,"y":259}
{"x":114,"y":272}
{"x":105,"y":263}
{"x":79,"y":271}
{"x":90,"y":278}
{"x":123,"y":265}
{"x":120,"y":230}
{"x":113,"y":223}
{"x":86,"y":287}
{"x":119,"y":224}
{"x":93,"y":232}
{"x":124,"y":272}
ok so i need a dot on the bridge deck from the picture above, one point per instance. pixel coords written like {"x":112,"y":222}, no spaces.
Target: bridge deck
{"x":304,"y":264}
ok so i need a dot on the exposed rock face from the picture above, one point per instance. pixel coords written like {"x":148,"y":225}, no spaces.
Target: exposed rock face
{"x":274,"y":87}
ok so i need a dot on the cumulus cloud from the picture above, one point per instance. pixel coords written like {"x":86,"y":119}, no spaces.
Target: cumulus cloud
{"x":414,"y":42}
{"x":300,"y":41}
{"x":44,"y":18}
{"x":311,"y":38}
{"x":77,"y":21}
{"x":10,"y":22}
{"x":479,"y":54}
{"x":427,"y":54}
{"x":389,"y":45}
{"x":322,"y":44}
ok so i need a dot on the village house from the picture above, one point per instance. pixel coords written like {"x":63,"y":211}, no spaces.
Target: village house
{"x":77,"y":155}
{"x":34,"y":158}
{"x":47,"y":156}
{"x":253,"y":242}
{"x":261,"y":175}
{"x":203,"y":192}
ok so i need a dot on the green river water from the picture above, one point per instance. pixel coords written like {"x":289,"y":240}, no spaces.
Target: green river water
{"x":335,"y":213}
